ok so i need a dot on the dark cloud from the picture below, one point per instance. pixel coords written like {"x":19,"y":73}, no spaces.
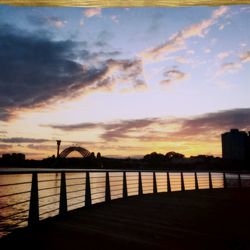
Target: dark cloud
{"x":4,"y":114}
{"x":46,"y":20}
{"x":22,"y":140}
{"x":96,"y":56}
{"x":112,"y":131}
{"x":103,"y":38}
{"x":80,"y":126}
{"x":215,"y":123}
{"x":123,"y":128}
{"x":3,"y":132}
{"x":206,"y":127}
{"x":35,"y":70}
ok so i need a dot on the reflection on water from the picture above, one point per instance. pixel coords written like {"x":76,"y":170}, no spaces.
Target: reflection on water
{"x":49,"y":194}
{"x":15,"y":190}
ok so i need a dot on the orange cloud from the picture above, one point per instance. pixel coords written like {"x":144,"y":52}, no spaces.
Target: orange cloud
{"x":92,"y":12}
{"x":245,"y":57}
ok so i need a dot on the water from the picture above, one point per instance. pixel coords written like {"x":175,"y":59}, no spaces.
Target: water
{"x":15,"y":191}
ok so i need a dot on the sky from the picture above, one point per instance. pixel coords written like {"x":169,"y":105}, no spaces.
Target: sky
{"x":123,"y":81}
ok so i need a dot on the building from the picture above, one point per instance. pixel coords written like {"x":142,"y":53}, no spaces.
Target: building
{"x":236,"y":145}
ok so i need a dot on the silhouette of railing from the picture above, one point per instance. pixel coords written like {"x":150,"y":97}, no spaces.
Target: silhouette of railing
{"x":68,"y":189}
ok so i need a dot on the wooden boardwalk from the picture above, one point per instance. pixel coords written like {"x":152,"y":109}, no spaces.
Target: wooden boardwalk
{"x":205,"y":219}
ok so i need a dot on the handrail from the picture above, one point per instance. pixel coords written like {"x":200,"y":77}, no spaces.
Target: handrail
{"x":107,"y":187}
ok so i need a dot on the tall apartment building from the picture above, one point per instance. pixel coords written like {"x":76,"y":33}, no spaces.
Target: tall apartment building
{"x":236,"y":145}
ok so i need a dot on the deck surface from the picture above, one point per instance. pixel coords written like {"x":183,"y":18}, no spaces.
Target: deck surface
{"x":216,"y":219}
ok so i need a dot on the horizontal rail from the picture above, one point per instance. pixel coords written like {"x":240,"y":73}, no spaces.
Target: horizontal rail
{"x":103,"y":185}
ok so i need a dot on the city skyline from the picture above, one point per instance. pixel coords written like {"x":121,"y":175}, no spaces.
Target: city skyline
{"x":123,"y":82}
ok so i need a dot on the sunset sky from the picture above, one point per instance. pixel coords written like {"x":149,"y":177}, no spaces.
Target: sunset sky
{"x":123,"y":81}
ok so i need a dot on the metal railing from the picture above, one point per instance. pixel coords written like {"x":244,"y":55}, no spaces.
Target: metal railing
{"x":40,"y":195}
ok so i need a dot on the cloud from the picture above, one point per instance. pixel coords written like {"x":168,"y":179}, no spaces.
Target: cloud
{"x":92,"y":12}
{"x":174,"y":75}
{"x":243,"y":45}
{"x":42,"y":147}
{"x":191,"y":52}
{"x":245,"y":57}
{"x":22,"y":140}
{"x":214,"y":124}
{"x":245,"y":9}
{"x":223,"y":55}
{"x":56,"y":22}
{"x":75,"y":127}
{"x":177,"y":41}
{"x":113,"y":130}
{"x":219,"y":12}
{"x":115,"y":18}
{"x":207,"y":51}
{"x":36,"y":70}
{"x":231,"y":67}
{"x":5,"y":146}
{"x":122,"y":129}
{"x":182,"y":60}
{"x":221,"y":27}
{"x":81,"y":23}
{"x":44,"y":21}
{"x":207,"y":127}
{"x":120,"y":71}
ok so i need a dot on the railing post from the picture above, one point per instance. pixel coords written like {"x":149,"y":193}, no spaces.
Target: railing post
{"x":239,"y":181}
{"x":63,"y":195}
{"x":140,"y":192}
{"x":168,"y":182}
{"x":154,"y":183}
{"x":107,"y":189}
{"x":34,"y":202}
{"x":224,"y":180}
{"x":87,"y":191}
{"x":125,"y":190}
{"x":182,"y":182}
{"x":210,"y":180}
{"x":196,"y":181}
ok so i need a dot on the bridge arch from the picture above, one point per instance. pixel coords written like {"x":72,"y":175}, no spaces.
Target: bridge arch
{"x":84,"y":152}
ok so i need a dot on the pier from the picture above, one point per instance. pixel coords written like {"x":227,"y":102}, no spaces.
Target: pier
{"x":211,"y":212}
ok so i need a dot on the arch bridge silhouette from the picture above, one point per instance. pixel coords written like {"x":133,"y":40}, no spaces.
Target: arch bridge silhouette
{"x":84,"y":152}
